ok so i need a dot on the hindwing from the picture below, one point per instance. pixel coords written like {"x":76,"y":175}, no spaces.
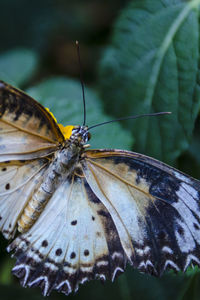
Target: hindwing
{"x":18,"y":182}
{"x":156,"y":205}
{"x":73,"y":241}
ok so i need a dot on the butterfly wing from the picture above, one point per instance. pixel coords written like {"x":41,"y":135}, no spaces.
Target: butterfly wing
{"x":18,"y":181}
{"x":117,"y":206}
{"x":74,"y":240}
{"x":27,"y":130}
{"x":154,"y":207}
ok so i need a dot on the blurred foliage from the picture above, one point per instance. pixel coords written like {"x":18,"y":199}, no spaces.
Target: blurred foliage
{"x":63,"y":97}
{"x":153,"y":56}
{"x":147,"y":60}
{"x":51,"y":27}
{"x":18,"y":66}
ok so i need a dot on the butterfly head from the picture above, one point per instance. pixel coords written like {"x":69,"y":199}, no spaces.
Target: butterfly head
{"x":80,"y":135}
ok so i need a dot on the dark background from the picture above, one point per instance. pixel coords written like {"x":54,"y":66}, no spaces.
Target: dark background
{"x":49,"y":29}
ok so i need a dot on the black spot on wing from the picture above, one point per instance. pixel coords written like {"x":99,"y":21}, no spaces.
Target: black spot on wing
{"x":58,"y":252}
{"x":7,"y":186}
{"x":74,"y":222}
{"x":86,"y":252}
{"x":72,"y":255}
{"x":44,"y":243}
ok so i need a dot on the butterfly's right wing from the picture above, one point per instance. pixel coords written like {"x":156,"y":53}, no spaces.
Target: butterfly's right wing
{"x":18,"y":181}
{"x":27,"y":129}
{"x":154,"y":206}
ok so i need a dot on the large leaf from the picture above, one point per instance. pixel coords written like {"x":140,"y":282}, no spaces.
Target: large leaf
{"x":64,"y":98}
{"x":18,"y":66}
{"x":152,"y":65}
{"x":189,"y":162}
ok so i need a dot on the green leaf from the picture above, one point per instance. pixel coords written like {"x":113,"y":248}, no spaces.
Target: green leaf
{"x":189,"y":162}
{"x":191,"y":288}
{"x":64,"y":98}
{"x":146,"y":287}
{"x":5,"y":275}
{"x":150,"y":66}
{"x":18,"y":66}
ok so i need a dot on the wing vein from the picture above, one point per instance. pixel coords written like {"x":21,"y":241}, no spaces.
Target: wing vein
{"x":28,"y":131}
{"x":98,"y":183}
{"x":18,"y":187}
{"x":118,"y":177}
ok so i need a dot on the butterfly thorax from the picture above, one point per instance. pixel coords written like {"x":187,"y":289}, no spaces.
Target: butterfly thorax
{"x":61,"y":166}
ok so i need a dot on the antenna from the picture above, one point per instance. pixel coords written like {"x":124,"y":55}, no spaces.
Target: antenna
{"x":131,"y":117}
{"x":82,"y":85}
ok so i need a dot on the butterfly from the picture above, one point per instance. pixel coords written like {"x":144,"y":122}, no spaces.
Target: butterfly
{"x":76,"y":214}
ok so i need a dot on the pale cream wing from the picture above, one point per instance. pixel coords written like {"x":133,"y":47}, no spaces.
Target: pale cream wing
{"x":27,"y":130}
{"x":155,"y":208}
{"x":18,"y":181}
{"x":73,"y":241}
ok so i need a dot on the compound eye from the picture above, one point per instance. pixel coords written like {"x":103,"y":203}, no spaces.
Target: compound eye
{"x":89,"y":136}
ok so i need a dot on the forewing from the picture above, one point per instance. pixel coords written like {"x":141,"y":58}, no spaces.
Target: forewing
{"x":18,"y":181}
{"x":73,"y":241}
{"x":27,"y":129}
{"x":156,"y":205}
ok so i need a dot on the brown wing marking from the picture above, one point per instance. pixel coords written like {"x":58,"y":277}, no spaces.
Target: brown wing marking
{"x":25,"y":125}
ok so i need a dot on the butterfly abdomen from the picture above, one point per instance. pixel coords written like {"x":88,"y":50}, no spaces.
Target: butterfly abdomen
{"x":59,"y":169}
{"x":33,"y":209}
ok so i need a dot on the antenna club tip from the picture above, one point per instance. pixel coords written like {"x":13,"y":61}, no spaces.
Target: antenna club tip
{"x":77,"y":42}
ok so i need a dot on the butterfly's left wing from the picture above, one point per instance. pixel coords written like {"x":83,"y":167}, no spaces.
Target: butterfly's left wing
{"x":18,"y":182}
{"x":155,"y":208}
